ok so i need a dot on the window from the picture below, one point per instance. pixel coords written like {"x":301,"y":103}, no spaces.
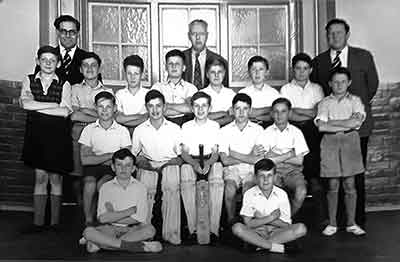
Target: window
{"x":116,"y":31}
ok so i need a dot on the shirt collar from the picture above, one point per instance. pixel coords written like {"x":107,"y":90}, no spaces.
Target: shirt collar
{"x":275,"y":127}
{"x":63,"y":50}
{"x":113,"y":125}
{"x":294,"y":82}
{"x":343,"y":52}
{"x":260,"y":193}
{"x":347,"y":95}
{"x":99,"y":85}
{"x":180,"y":82}
{"x":201,"y":54}
{"x":248,"y":125}
{"x":131,"y":181}
{"x":39,"y":76}
{"x":148,"y":123}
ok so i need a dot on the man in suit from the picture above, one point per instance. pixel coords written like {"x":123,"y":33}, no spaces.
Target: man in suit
{"x":198,"y":54}
{"x":67,"y":28}
{"x":364,"y":84}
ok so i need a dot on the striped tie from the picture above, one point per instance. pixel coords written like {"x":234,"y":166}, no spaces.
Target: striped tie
{"x":197,"y":79}
{"x":67,"y":59}
{"x":336,"y":61}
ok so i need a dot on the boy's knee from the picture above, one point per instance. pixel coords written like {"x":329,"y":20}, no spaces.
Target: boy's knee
{"x":150,"y":231}
{"x":300,"y":230}
{"x":230,"y":189}
{"x":238,"y":229}
{"x":301,"y":193}
{"x":88,"y":232}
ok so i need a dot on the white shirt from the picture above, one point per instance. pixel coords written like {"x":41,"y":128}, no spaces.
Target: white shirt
{"x":104,"y":141}
{"x":232,"y":138}
{"x":261,"y":98}
{"x":255,"y":200}
{"x":175,"y":93}
{"x":157,"y":145}
{"x":343,"y":55}
{"x":281,"y":142}
{"x":194,"y":134}
{"x":130,"y":104}
{"x":63,"y":51}
{"x":304,"y":98}
{"x":202,"y":62}
{"x":135,"y":194}
{"x":83,"y":95}
{"x":220,"y":101}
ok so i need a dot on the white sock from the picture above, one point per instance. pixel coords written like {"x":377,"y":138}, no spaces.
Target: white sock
{"x":277,"y":248}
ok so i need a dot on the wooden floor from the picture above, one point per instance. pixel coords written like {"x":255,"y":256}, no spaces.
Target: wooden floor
{"x":382,"y":243}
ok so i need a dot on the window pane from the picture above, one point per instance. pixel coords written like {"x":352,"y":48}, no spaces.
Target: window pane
{"x":105,"y":24}
{"x":140,"y":51}
{"x":243,"y":26}
{"x":110,"y":57}
{"x":240,"y":57}
{"x":134,"y":25}
{"x":277,"y":58}
{"x":272,"y":25}
{"x":174,"y":26}
{"x":210,"y":16}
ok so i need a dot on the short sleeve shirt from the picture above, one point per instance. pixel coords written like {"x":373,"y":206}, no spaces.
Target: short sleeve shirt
{"x":206,"y":134}
{"x":220,"y":101}
{"x":255,"y":200}
{"x":104,"y":141}
{"x":83,"y":95}
{"x":130,"y":104}
{"x":161,"y":144}
{"x":176,"y":94}
{"x":261,"y":98}
{"x":304,"y":98}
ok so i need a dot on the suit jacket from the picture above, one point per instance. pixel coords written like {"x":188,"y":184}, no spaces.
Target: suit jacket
{"x":188,"y":75}
{"x":364,"y":79}
{"x":72,"y":74}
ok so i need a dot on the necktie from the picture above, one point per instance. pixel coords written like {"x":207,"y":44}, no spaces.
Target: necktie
{"x":67,"y":59}
{"x":197,"y":80}
{"x":336,"y":61}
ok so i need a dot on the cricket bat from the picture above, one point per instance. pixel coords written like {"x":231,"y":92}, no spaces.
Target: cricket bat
{"x":202,"y":199}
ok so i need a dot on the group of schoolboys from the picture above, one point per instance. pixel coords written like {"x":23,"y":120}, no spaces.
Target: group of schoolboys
{"x":238,"y":152}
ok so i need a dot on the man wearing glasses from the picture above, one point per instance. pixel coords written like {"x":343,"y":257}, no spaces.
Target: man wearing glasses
{"x":198,"y":54}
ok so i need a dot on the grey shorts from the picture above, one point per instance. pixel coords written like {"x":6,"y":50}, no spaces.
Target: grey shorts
{"x":341,"y":155}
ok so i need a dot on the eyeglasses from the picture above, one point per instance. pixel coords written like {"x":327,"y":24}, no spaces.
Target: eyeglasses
{"x":64,"y":32}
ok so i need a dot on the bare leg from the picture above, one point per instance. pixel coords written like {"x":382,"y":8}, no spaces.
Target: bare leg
{"x":350,"y":199}
{"x":250,"y":236}
{"x":89,"y":189}
{"x":40,"y":197}
{"x":55,"y":197}
{"x":139,"y":233}
{"x":289,"y":233}
{"x":332,"y":197}
{"x":229,"y":197}
{"x":300,"y":194}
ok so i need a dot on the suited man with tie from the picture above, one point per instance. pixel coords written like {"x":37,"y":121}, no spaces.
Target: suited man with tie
{"x":364,"y":84}
{"x":198,"y":54}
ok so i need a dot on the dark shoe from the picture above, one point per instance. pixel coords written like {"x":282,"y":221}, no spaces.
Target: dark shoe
{"x":213,"y":239}
{"x":292,"y":247}
{"x":191,"y":240}
{"x":33,"y":229}
{"x":56,"y":228}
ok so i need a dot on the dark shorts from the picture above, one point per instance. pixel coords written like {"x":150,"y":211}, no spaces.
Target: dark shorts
{"x":97,"y":171}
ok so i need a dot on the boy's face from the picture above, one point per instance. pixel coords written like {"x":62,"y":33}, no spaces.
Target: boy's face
{"x":280,"y":114}
{"x":216,"y":75}
{"x":241,"y":111}
{"x":90,"y":68}
{"x":258,"y":73}
{"x":67,"y":34}
{"x":265,"y":179}
{"x":123,"y":168}
{"x":302,"y":71}
{"x":201,"y":108}
{"x":48,"y":63}
{"x":198,"y":36}
{"x":133,"y":76}
{"x":105,"y":109}
{"x":175,"y":67}
{"x":339,"y":84}
{"x":155,"y":108}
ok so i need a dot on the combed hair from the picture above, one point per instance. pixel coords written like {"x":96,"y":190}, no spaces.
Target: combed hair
{"x":198,"y":95}
{"x":242,"y":98}
{"x":122,"y":154}
{"x":337,"y":21}
{"x":216,"y":61}
{"x":66,"y":18}
{"x":88,"y":55}
{"x":48,"y":49}
{"x":265,"y":164}
{"x":256,"y":59}
{"x":282,"y":100}
{"x":104,"y":95}
{"x":340,"y":70}
{"x":134,"y":60}
{"x":175,"y":52}
{"x":198,"y":21}
{"x":301,"y":57}
{"x":153,"y":94}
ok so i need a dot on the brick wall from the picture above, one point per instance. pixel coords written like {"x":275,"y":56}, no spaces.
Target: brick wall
{"x":383,"y":176}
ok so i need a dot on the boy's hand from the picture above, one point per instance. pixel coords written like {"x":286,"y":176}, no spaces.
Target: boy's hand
{"x":197,"y":168}
{"x":258,"y":214}
{"x":275,"y":214}
{"x":109,"y":207}
{"x":143,"y":163}
{"x":357,"y":116}
{"x":258,"y":150}
{"x":206,"y":169}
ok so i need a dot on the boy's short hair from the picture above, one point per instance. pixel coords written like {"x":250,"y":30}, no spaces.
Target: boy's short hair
{"x":134,"y":60}
{"x":337,"y":21}
{"x":256,"y":59}
{"x":87,"y":55}
{"x":200,"y":94}
{"x":198,"y":21}
{"x":282,"y":100}
{"x":66,"y":18}
{"x":265,"y":164}
{"x":215,"y":61}
{"x":48,"y":49}
{"x":175,"y":52}
{"x":301,"y":57}
{"x":122,"y":154}
{"x":340,"y":70}
{"x":242,"y":98}
{"x":104,"y":95}
{"x":153,"y":94}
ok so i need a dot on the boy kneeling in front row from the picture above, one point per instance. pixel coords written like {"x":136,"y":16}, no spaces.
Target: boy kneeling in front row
{"x":122,"y":209}
{"x":266,"y":213}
